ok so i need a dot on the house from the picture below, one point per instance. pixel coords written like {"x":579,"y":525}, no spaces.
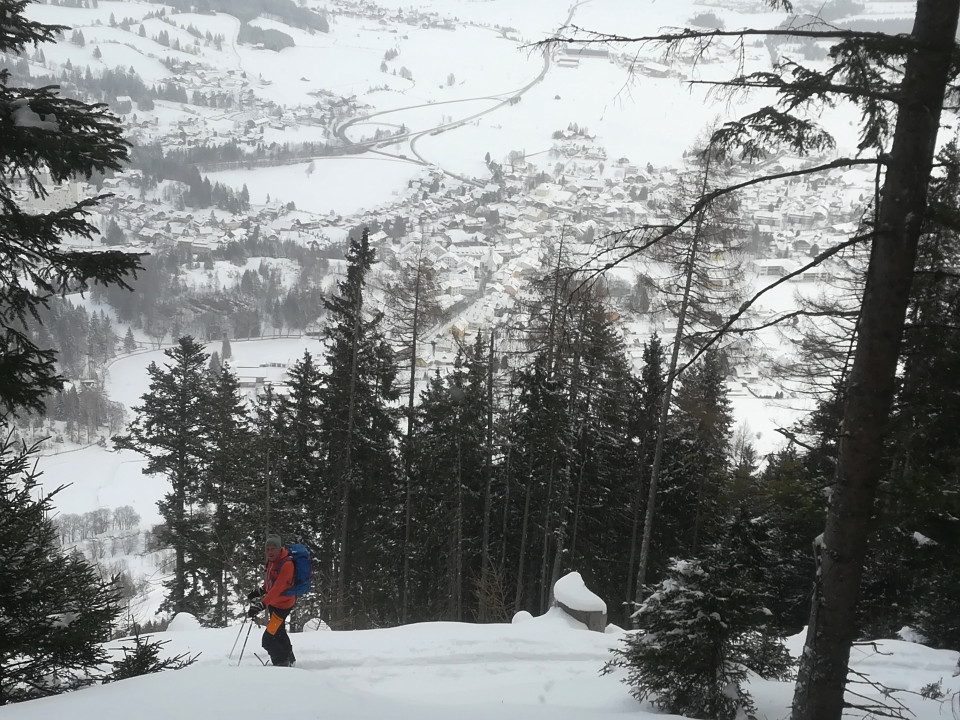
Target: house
{"x":654,"y":69}
{"x":585,"y":51}
{"x":774,"y":267}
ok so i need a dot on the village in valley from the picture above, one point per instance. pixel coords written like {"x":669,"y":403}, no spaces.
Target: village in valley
{"x":485,"y":234}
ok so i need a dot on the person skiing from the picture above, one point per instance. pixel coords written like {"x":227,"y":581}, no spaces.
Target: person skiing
{"x":278,"y":578}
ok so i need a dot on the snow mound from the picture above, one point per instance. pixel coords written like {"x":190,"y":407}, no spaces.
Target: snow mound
{"x":521,"y":617}
{"x":315,"y":625}
{"x":571,"y":591}
{"x":183,"y":622}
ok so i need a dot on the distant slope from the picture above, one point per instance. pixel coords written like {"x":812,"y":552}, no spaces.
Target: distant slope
{"x":246,"y":10}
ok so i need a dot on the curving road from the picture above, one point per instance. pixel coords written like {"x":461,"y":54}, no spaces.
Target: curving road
{"x":413,"y":137}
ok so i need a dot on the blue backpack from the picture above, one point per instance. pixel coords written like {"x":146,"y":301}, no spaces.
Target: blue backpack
{"x":302,"y":569}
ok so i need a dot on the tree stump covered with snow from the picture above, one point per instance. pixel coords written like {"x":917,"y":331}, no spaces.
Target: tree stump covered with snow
{"x":572,"y":596}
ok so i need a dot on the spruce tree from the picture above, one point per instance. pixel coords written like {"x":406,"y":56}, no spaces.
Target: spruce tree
{"x":302,"y":499}
{"x":413,"y":309}
{"x":144,"y":659}
{"x":227,"y":488}
{"x":435,"y":489}
{"x":790,"y":498}
{"x":539,"y":439}
{"x":570,"y":441}
{"x":698,"y":460}
{"x":449,"y":479}
{"x":55,"y":610}
{"x":170,"y":430}
{"x":704,"y":628}
{"x":45,"y":136}
{"x":359,"y":436}
{"x":645,"y":411}
{"x":301,"y":503}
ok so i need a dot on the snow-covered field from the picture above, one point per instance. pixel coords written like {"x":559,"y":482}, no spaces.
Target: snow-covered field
{"x":345,"y":185}
{"x":543,"y":668}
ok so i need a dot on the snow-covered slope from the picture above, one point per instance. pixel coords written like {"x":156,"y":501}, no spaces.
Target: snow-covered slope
{"x":546,"y":667}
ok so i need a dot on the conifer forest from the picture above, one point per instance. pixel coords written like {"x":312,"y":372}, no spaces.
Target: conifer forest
{"x":555,"y":437}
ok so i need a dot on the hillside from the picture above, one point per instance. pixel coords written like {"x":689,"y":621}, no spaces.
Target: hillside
{"x":544,"y":668}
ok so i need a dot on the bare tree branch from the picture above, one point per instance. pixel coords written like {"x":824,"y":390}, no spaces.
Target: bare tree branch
{"x":675,"y":36}
{"x":663,"y":231}
{"x":796,"y":314}
{"x":720,"y":332}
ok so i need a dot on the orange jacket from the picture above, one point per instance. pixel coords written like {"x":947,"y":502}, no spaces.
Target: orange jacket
{"x":279,"y":578}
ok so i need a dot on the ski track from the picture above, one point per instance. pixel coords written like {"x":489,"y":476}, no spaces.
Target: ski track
{"x":381,"y":661}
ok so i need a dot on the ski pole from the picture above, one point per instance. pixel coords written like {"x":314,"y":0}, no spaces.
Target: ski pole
{"x":244,"y":646}
{"x":238,"y":638}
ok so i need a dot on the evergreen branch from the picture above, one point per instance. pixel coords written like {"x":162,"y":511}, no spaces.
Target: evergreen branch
{"x":754,"y":135}
{"x":67,"y":137}
{"x":930,"y":326}
{"x":792,"y":437}
{"x":15,"y":36}
{"x":42,"y":689}
{"x":939,"y":274}
{"x":773,"y":81}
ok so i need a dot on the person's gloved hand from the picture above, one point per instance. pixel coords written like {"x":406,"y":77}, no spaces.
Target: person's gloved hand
{"x":256,"y":609}
{"x":254,"y":595}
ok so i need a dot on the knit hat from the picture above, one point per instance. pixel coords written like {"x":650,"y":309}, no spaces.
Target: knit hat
{"x":273,"y":541}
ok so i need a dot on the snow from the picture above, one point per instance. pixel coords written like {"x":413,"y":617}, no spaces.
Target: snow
{"x":94,"y":477}
{"x":227,"y":275}
{"x":24,"y":116}
{"x":546,"y":668}
{"x":572,"y":592}
{"x":345,"y":184}
{"x":127,"y":378}
{"x":183,"y":622}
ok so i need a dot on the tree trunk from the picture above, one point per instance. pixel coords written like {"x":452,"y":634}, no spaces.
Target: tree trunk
{"x":629,"y":595}
{"x":819,"y":693}
{"x":458,"y":535}
{"x":485,"y":574}
{"x":576,"y":516}
{"x":564,"y":475}
{"x":668,"y":390}
{"x":522,"y":555}
{"x":179,"y":589}
{"x":543,"y":592}
{"x":347,"y":470}
{"x":408,"y":455}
